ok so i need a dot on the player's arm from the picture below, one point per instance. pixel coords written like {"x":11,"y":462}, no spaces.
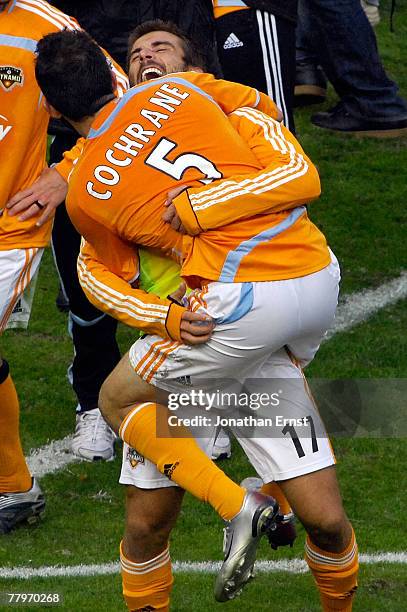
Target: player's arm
{"x":288,"y":179}
{"x":144,"y":311}
{"x":114,"y":295}
{"x":231,"y":96}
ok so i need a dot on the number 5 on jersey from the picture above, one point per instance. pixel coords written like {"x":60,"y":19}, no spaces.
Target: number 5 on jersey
{"x":158,"y":160}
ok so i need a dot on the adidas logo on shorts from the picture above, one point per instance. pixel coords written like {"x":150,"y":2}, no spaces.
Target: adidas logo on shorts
{"x":232,"y":41}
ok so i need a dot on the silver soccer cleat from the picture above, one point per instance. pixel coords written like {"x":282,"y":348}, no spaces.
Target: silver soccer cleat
{"x":242,"y":537}
{"x":283,"y":532}
{"x":16,"y":508}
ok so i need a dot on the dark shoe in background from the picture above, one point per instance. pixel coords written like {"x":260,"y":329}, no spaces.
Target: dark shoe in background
{"x":310,"y":85}
{"x":340,"y":120}
{"x":284,"y":533}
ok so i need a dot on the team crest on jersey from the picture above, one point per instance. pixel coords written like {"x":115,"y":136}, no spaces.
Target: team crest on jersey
{"x":11,"y":76}
{"x":133,"y":457}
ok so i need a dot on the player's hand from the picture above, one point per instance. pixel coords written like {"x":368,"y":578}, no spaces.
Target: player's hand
{"x":170,"y":216}
{"x":196,"y":327}
{"x":41,"y":198}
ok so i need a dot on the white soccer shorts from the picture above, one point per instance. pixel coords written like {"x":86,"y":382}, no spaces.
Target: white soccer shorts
{"x":265,"y":333}
{"x":19,"y":268}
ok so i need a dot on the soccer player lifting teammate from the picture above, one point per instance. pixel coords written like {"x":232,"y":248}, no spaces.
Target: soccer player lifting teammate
{"x":258,"y":267}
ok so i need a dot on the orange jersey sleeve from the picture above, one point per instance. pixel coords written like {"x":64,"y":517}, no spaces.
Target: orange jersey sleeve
{"x":106,"y":288}
{"x":231,"y":96}
{"x":288,"y":178}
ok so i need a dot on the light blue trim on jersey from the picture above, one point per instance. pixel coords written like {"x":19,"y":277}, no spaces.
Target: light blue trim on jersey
{"x":12,"y":6}
{"x":83,"y":322}
{"x":223,"y":3}
{"x":18,"y":42}
{"x":234,"y":258}
{"x":136,"y":90}
{"x":244,"y":306}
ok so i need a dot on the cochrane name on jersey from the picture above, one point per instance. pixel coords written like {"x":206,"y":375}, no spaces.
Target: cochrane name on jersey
{"x":134,"y":139}
{"x":245,"y":421}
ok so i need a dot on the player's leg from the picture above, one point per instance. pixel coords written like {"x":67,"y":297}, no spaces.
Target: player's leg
{"x":331,"y":550}
{"x":298,"y":456}
{"x":21,"y":498}
{"x":131,"y":407}
{"x":153,"y":503}
{"x":14,"y":474}
{"x":144,"y":551}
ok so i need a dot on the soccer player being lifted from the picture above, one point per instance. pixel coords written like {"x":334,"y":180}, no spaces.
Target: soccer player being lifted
{"x":258,"y":267}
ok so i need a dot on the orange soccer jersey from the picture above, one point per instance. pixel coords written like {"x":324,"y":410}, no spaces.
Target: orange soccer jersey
{"x":172,"y":131}
{"x":23,"y":117}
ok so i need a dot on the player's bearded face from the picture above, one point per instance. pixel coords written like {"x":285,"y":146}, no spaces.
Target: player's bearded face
{"x":155,"y":54}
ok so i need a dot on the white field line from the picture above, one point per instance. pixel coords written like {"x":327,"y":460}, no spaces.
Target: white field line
{"x":52,"y":457}
{"x":357,"y":307}
{"x":353,"y":309}
{"x":293,"y":566}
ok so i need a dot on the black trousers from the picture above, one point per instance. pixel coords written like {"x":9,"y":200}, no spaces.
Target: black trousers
{"x":258,"y":49}
{"x":93,"y":333}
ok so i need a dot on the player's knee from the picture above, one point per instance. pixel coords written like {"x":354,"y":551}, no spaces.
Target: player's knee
{"x":107,"y":404}
{"x":332,"y":531}
{"x":146,"y":534}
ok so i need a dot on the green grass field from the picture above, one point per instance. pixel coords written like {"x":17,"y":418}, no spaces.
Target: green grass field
{"x":362,"y":211}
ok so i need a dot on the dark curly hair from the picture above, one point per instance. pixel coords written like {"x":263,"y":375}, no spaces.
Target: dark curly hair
{"x":73,"y":73}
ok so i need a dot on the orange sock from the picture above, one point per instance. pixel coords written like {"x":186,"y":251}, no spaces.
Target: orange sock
{"x":180,"y":458}
{"x":335,"y":574}
{"x":147,"y":586}
{"x":14,"y":474}
{"x":274,"y":490}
